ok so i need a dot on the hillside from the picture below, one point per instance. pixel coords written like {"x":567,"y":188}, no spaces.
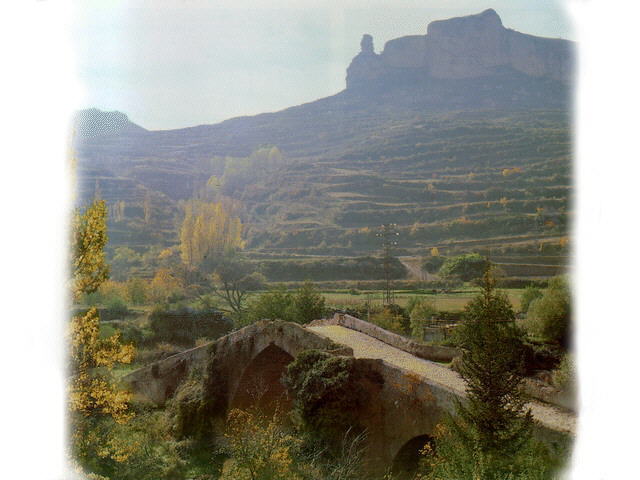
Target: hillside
{"x":460,"y":136}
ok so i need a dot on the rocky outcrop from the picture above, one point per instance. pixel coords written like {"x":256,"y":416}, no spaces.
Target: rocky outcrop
{"x":92,"y":122}
{"x":462,"y":48}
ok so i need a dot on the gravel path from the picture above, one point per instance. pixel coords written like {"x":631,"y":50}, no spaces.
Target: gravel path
{"x":365,"y":346}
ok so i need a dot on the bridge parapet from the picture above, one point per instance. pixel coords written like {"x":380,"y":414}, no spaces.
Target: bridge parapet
{"x":437,"y":353}
{"x":158,"y":382}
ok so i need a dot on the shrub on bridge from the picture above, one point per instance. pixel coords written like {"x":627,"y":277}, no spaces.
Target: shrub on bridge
{"x":326,"y":391}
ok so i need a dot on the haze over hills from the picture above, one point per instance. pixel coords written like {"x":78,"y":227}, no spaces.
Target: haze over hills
{"x":458,"y":135}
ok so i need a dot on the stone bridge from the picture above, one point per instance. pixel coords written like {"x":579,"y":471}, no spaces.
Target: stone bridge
{"x":404,"y":406}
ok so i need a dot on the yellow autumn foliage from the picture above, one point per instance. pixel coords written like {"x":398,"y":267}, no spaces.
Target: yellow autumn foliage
{"x":89,"y":391}
{"x":208,"y":229}
{"x":259,"y":449}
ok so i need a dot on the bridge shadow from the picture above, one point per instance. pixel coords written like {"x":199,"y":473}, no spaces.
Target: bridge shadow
{"x":261,"y":384}
{"x":407,"y":460}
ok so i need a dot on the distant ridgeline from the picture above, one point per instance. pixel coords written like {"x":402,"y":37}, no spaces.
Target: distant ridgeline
{"x":460,"y":136}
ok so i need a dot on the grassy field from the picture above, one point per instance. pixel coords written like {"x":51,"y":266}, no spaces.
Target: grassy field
{"x":449,"y":302}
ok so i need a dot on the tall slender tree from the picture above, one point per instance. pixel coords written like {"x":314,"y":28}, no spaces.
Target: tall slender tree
{"x":492,"y":426}
{"x":93,"y":393}
{"x":89,"y":267}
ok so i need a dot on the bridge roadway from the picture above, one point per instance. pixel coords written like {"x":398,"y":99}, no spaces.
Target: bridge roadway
{"x":365,"y":346}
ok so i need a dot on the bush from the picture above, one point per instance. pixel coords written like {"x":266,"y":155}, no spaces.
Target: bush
{"x":327,"y":392}
{"x":183,"y":325}
{"x":390,"y":319}
{"x":307,"y":304}
{"x":529,"y":295}
{"x":115,"y":308}
{"x":565,"y":375}
{"x":131,"y":333}
{"x":421,"y":315}
{"x":137,"y":291}
{"x":301,"y":306}
{"x":549,"y":316}
{"x":465,"y":267}
{"x":273,"y":305}
{"x":433,"y":264}
{"x":141,"y":449}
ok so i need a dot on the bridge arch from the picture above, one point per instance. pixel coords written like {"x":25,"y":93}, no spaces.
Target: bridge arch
{"x":407,"y":459}
{"x":260,"y":384}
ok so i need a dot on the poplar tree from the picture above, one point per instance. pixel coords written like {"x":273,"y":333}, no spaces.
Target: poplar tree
{"x":93,"y":393}
{"x":89,"y":267}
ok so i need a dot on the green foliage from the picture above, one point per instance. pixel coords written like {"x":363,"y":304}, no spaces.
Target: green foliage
{"x":392,"y":318}
{"x":187,"y":409}
{"x":421,"y":314}
{"x":466,"y":267}
{"x":359,"y":268}
{"x":183,"y":325}
{"x":432,"y":263}
{"x":234,"y":278}
{"x":549,"y":317}
{"x":115,"y":307}
{"x":124,"y":259}
{"x":137,"y":291}
{"x":454,"y":460}
{"x":564,"y":376}
{"x":261,"y":447}
{"x":301,"y":306}
{"x":240,"y":173}
{"x":273,"y":305}
{"x":307,"y":304}
{"x":491,"y":429}
{"x":326,"y":392}
{"x":142,"y":449}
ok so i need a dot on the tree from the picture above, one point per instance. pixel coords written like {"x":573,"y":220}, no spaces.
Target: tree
{"x":420,"y":315}
{"x":93,"y":393}
{"x":146,"y":207}
{"x":549,"y":316}
{"x":124,"y":259}
{"x":164,"y":285}
{"x":89,"y":237}
{"x":529,"y":295}
{"x":208,"y":231}
{"x":273,"y":305}
{"x":492,"y":429}
{"x":234,"y":278}
{"x":307,"y":304}
{"x":466,"y":267}
{"x":432,"y":263}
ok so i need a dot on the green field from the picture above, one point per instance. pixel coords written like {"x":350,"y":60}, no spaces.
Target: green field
{"x":446,"y":302}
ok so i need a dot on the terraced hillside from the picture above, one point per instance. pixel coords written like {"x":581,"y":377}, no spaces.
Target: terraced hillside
{"x":476,"y":162}
{"x":497,"y":178}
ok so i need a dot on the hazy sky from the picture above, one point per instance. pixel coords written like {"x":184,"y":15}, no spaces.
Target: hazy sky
{"x":178,"y":63}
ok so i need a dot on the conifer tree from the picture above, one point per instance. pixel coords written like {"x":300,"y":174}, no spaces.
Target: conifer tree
{"x":488,"y":436}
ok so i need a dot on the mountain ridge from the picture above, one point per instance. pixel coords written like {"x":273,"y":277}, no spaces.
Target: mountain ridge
{"x":424,"y":152}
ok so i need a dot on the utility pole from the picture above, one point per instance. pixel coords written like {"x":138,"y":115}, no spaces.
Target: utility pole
{"x":389,"y":235}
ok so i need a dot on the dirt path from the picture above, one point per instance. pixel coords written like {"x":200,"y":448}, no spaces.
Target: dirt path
{"x":365,"y":346}
{"x":415,"y":272}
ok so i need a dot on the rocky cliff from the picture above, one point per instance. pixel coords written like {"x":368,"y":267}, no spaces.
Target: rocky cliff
{"x":462,"y":48}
